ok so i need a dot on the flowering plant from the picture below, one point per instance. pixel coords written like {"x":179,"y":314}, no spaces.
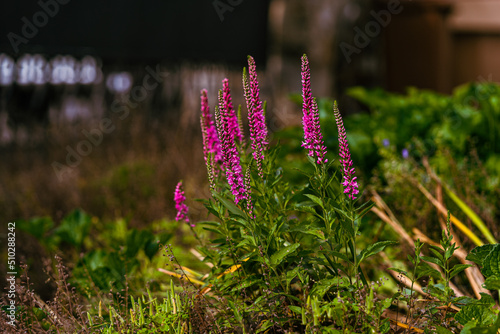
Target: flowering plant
{"x":276,"y":242}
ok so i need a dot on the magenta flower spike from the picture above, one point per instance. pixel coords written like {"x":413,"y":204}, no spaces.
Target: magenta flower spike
{"x":256,"y":119}
{"x":234,"y":126}
{"x":180,"y":206}
{"x":313,"y":139}
{"x":349,"y":183}
{"x":230,"y":154}
{"x":211,"y":144}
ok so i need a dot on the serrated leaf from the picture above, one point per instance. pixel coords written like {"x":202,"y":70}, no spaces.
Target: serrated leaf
{"x":492,"y":283}
{"x":278,"y":257}
{"x":483,"y":315}
{"x":478,"y":254}
{"x":491,"y":263}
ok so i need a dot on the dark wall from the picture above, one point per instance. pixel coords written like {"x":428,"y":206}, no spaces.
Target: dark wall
{"x":208,"y":30}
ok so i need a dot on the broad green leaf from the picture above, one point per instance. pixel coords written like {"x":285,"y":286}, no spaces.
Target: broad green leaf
{"x":278,"y":257}
{"x":136,"y":240}
{"x":492,"y":283}
{"x":483,"y":315}
{"x":478,"y":254}
{"x":442,"y":330}
{"x":491,"y":263}
{"x":484,"y":329}
{"x":38,"y":227}
{"x":74,"y":228}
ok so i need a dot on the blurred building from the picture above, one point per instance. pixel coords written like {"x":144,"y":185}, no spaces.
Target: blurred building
{"x":63,"y":61}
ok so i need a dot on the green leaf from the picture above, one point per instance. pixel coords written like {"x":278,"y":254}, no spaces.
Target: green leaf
{"x":483,"y":315}
{"x":471,"y":214}
{"x":136,"y":240}
{"x":374,"y":249}
{"x":316,"y":200}
{"x":229,"y":205}
{"x":492,"y":283}
{"x":339,"y":255}
{"x":319,"y":289}
{"x":491,"y":263}
{"x":212,"y":230}
{"x":38,"y":227}
{"x":306,"y":206}
{"x":458,"y":268}
{"x":433,"y":260}
{"x":478,"y":254}
{"x":424,"y":269}
{"x":442,"y":330}
{"x":248,"y":282}
{"x":278,"y":257}
{"x":74,"y":228}
{"x":308,"y":229}
{"x":364,"y":208}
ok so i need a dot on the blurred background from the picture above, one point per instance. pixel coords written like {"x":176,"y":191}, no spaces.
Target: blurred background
{"x":99,"y":101}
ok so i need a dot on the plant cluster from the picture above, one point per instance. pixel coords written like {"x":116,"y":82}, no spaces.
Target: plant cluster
{"x":289,"y":250}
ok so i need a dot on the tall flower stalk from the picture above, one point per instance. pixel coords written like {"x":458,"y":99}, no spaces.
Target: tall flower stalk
{"x":313,"y":139}
{"x":257,"y":124}
{"x":349,"y":182}
{"x":231,"y":116}
{"x":211,"y":144}
{"x":228,"y":129}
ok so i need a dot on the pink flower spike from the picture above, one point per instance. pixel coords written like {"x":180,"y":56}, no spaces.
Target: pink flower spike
{"x":211,"y":144}
{"x":313,"y":139}
{"x":230,"y":154}
{"x":234,"y":127}
{"x":256,"y":119}
{"x":349,"y":182}
{"x":180,"y":206}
